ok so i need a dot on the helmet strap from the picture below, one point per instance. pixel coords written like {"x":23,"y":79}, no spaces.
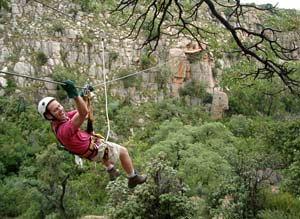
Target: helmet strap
{"x":48,"y":112}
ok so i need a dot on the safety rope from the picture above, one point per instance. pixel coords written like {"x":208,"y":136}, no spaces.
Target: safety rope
{"x":105,"y":90}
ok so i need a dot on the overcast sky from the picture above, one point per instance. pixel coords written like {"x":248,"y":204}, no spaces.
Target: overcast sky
{"x":291,"y":4}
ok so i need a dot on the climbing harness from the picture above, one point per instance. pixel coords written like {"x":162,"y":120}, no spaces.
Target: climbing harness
{"x":91,"y":148}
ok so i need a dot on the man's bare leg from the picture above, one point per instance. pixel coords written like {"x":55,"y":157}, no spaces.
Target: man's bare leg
{"x":126,"y":161}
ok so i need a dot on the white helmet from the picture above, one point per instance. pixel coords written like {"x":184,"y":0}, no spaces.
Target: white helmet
{"x":42,"y":107}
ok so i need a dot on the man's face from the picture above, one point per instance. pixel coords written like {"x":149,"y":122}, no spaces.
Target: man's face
{"x":57,"y":111}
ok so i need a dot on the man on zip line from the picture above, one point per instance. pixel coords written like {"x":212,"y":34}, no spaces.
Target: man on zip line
{"x":66,"y":127}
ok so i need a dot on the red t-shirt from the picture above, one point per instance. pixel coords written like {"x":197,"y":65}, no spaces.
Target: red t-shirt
{"x":72,"y":138}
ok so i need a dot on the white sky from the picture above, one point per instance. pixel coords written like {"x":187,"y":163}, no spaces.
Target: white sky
{"x":290,"y":4}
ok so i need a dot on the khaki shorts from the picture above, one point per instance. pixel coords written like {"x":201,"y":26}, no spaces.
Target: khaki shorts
{"x":113,"y":151}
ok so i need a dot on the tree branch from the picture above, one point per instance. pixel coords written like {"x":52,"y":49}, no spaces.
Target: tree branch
{"x":262,"y":45}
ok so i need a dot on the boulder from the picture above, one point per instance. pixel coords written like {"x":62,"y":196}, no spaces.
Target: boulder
{"x":219,"y":104}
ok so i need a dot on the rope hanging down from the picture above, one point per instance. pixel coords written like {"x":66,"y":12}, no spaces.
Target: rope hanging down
{"x":105,"y":90}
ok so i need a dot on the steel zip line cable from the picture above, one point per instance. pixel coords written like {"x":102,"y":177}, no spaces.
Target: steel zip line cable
{"x":34,"y":78}
{"x":97,"y":85}
{"x":65,"y":14}
{"x":132,"y":74}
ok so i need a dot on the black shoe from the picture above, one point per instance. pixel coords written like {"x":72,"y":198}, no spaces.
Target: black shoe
{"x":113,"y":174}
{"x":137,"y":179}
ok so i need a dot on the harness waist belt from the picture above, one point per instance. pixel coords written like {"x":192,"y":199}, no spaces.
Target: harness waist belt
{"x":90,"y":149}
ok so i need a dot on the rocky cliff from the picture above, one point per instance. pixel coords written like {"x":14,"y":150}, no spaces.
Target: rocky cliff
{"x":36,"y":38}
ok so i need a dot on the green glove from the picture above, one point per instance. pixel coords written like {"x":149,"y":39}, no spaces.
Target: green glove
{"x":70,"y":88}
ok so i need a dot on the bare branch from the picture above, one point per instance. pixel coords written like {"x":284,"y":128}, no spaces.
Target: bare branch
{"x":261,"y":45}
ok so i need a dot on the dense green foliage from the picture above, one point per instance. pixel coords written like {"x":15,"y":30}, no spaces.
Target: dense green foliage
{"x":162,"y":197}
{"x":197,"y":168}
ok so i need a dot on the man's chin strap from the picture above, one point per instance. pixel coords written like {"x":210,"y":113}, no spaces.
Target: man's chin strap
{"x":53,"y":117}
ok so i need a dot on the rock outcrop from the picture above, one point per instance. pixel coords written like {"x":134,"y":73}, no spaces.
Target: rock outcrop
{"x":91,"y":46}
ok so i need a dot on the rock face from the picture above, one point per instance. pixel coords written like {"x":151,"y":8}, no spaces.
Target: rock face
{"x":192,"y":62}
{"x":3,"y":84}
{"x":24,"y":68}
{"x":30,"y":29}
{"x":180,"y":67}
{"x":219,"y":104}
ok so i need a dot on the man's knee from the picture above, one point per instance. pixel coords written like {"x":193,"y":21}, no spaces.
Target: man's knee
{"x":123,"y":151}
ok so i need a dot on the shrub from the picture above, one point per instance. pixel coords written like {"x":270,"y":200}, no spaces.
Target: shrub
{"x":207,"y":98}
{"x":160,"y":197}
{"x":196,"y":89}
{"x":146,"y":61}
{"x":270,"y":214}
{"x":11,"y":86}
{"x":58,"y":27}
{"x":279,"y":206}
{"x":41,"y":58}
{"x":112,"y":56}
{"x":163,"y":76}
{"x":90,"y":5}
{"x":130,"y":81}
